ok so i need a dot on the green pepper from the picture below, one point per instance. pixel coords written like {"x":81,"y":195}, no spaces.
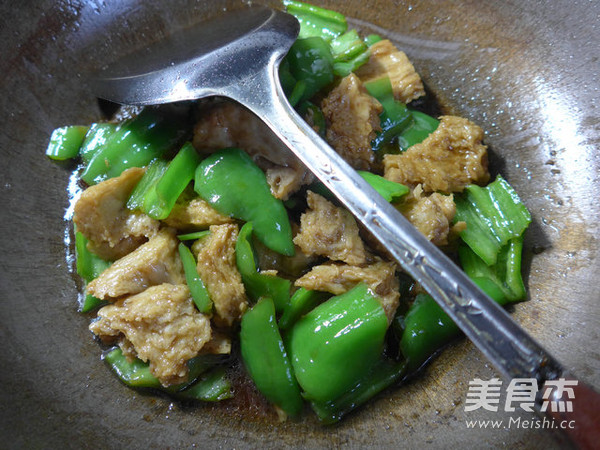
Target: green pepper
{"x":212,"y":387}
{"x":95,"y":139}
{"x":301,"y":302}
{"x":192,"y":236}
{"x":137,"y":372}
{"x":178,"y":175}
{"x":266,"y":359}
{"x":65,"y":142}
{"x":336,"y":344}
{"x":427,"y":327}
{"x":163,"y":183}
{"x":314,"y":116}
{"x":316,"y":21}
{"x":310,"y":62}
{"x":234,"y":185}
{"x":197,"y":288}
{"x":494,"y":214}
{"x":349,"y":52}
{"x":372,"y":39}
{"x":383,"y":374}
{"x":395,"y":117}
{"x":504,"y":273}
{"x":88,"y":266}
{"x":134,"y":144}
{"x":141,"y":196}
{"x":258,"y":284}
{"x":421,"y":127}
{"x":390,"y":190}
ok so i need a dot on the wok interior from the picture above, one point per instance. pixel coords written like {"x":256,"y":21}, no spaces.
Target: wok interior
{"x":524,"y":73}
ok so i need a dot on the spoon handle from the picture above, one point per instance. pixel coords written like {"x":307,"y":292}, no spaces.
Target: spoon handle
{"x":514,"y":353}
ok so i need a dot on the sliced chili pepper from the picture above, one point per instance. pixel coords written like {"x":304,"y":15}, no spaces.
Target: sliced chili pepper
{"x":95,"y":139}
{"x":197,"y":288}
{"x":234,"y":185}
{"x":335,"y":345}
{"x":258,"y":284}
{"x":212,"y":387}
{"x":395,"y":117}
{"x":88,"y":266}
{"x":427,"y":328}
{"x":421,"y":127}
{"x":494,"y":214}
{"x":383,"y":374}
{"x":316,"y":21}
{"x":65,"y":142}
{"x":310,"y":62}
{"x":303,"y":301}
{"x":134,"y":144}
{"x":266,"y":359}
{"x":504,"y":273}
{"x":137,"y":372}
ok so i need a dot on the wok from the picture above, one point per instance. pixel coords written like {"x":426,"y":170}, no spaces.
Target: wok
{"x":527,"y":72}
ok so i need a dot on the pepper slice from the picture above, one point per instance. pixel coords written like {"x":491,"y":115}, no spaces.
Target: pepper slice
{"x":95,"y":139}
{"x":134,"y":144}
{"x":212,"y":387}
{"x":234,"y":185}
{"x":266,"y":359}
{"x":301,"y":302}
{"x":395,"y":117}
{"x":384,"y":373}
{"x":65,"y":142}
{"x":137,"y":372}
{"x":258,"y":284}
{"x":310,"y":62}
{"x":427,"y":327}
{"x":316,"y":21}
{"x":88,"y":266}
{"x":336,"y":344}
{"x":197,"y":288}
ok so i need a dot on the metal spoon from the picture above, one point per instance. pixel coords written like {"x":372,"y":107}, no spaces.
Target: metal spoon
{"x":237,"y":56}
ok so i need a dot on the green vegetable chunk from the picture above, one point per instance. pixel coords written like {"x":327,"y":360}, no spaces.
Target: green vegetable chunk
{"x":135,"y":143}
{"x":266,"y":359}
{"x":234,"y":185}
{"x":336,"y":344}
{"x":258,"y":284}
{"x":137,"y":373}
{"x":88,"y":266}
{"x":65,"y":142}
{"x":196,"y":285}
{"x":383,"y":374}
{"x":163,"y":183}
{"x":311,"y":63}
{"x":427,"y":327}
{"x":178,"y":175}
{"x":95,"y":139}
{"x":421,"y":127}
{"x":316,"y":21}
{"x":349,"y":52}
{"x":301,"y":302}
{"x":505,"y":273}
{"x":193,"y":236}
{"x":389,"y":190}
{"x":212,"y":387}
{"x":144,"y":193}
{"x":494,"y":215}
{"x":395,"y":117}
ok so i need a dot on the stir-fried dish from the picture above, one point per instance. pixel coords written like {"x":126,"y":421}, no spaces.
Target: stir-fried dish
{"x":203,"y":241}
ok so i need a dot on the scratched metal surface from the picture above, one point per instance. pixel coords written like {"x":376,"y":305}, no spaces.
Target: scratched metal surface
{"x":527,"y":72}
